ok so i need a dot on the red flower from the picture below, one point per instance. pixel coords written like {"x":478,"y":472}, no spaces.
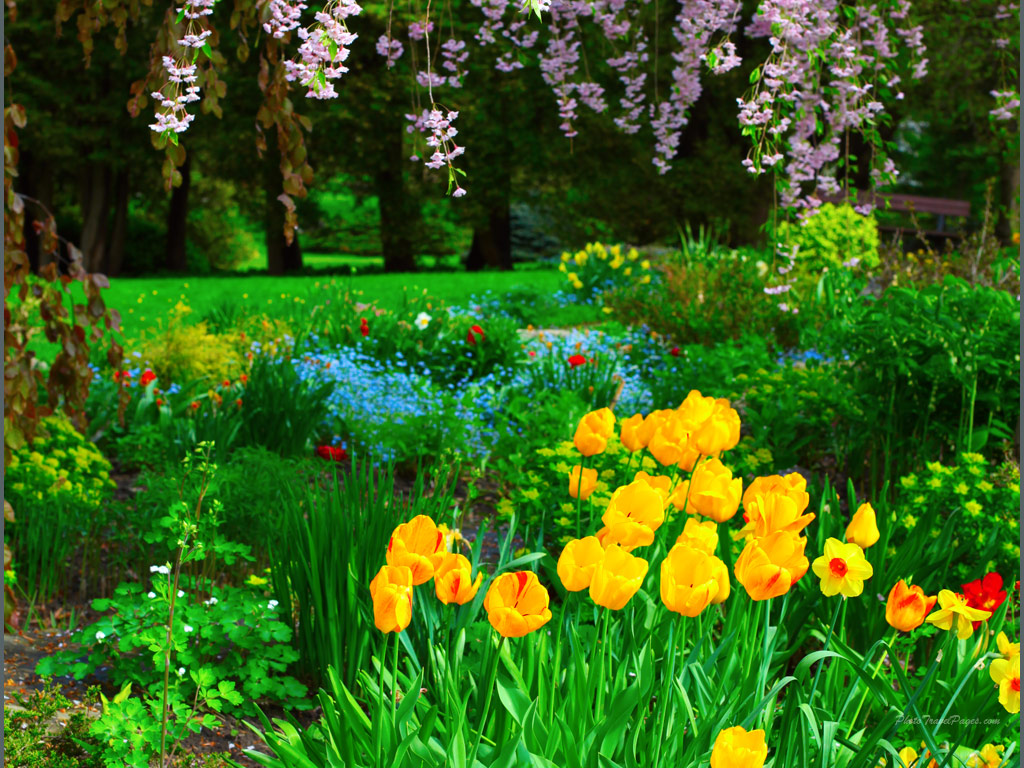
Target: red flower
{"x":986,"y":593}
{"x":531,"y":353}
{"x":238,"y":402}
{"x":244,"y":379}
{"x":576,"y":361}
{"x":146,"y":377}
{"x":330,"y":453}
{"x":364,"y":327}
{"x":474,"y":332}
{"x":159,"y":402}
{"x":117,"y":375}
{"x":674,"y":351}
{"x":226,"y":384}
{"x":194,"y":406}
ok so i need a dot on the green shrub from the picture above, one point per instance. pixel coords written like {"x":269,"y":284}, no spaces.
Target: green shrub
{"x":835,"y":235}
{"x":984,"y":501}
{"x":61,"y":466}
{"x":180,"y":351}
{"x":599,"y":267}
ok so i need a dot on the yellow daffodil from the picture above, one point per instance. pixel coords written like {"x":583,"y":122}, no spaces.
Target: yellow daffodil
{"x":842,"y":569}
{"x":954,"y":613}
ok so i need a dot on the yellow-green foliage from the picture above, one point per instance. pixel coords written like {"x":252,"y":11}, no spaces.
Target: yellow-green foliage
{"x":62,"y":466}
{"x":181,"y":351}
{"x":835,"y":235}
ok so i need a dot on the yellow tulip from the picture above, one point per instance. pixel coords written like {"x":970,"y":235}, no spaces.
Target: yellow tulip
{"x":688,"y":583}
{"x":593,"y":431}
{"x":702,"y":536}
{"x":577,"y":562}
{"x":953,"y":610}
{"x":770,"y":566}
{"x":660,"y":483}
{"x":670,"y":442}
{"x":517,"y":604}
{"x":842,"y":568}
{"x":617,"y":578}
{"x":633,"y":514}
{"x":738,"y":748}
{"x":589,"y":482}
{"x":712,"y":490}
{"x":419,"y":545}
{"x":453,"y":580}
{"x":792,"y":485}
{"x":863,"y":529}
{"x":391,"y":592}
{"x":630,"y":433}
{"x":907,"y":606}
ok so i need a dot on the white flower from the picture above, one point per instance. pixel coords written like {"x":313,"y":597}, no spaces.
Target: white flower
{"x":188,"y":628}
{"x":422,"y":320}
{"x":151,"y":595}
{"x":154,"y":568}
{"x":211,"y":601}
{"x":272,"y":604}
{"x":181,"y":671}
{"x":180,"y":593}
{"x":100,"y":635}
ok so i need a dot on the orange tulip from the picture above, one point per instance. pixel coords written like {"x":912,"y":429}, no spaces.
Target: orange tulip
{"x":670,"y":442}
{"x":391,"y":592}
{"x":420,"y":546}
{"x":453,"y":580}
{"x":770,"y":566}
{"x":577,"y":562}
{"x":907,"y":606}
{"x":517,"y":604}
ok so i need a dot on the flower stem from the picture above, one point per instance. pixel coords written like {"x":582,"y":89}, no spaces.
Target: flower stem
{"x":874,"y":673}
{"x":828,"y":639}
{"x":601,"y":665}
{"x":492,"y":673}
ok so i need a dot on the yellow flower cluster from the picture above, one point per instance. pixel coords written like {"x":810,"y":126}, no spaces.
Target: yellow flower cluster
{"x":597,"y":264}
{"x":62,"y":466}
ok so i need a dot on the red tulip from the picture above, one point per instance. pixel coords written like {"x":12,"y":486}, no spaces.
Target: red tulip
{"x":986,"y":593}
{"x":674,"y":351}
{"x":364,"y":327}
{"x":330,"y":453}
{"x":146,"y":377}
{"x":474,"y":332}
{"x":577,"y":360}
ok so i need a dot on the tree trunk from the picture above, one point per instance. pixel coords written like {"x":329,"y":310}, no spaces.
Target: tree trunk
{"x":399,"y":212}
{"x":94,"y":196}
{"x":115,"y":252}
{"x":1009,"y":199}
{"x":175,"y":258}
{"x":492,"y":242}
{"x":35,"y":180}
{"x":281,"y":256}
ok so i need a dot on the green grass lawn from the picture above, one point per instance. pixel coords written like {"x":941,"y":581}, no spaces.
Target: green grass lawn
{"x":142,"y":301}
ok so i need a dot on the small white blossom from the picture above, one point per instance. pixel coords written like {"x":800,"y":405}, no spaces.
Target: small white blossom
{"x":188,"y":628}
{"x":151,"y":595}
{"x":422,"y":320}
{"x":100,"y":635}
{"x":181,"y":671}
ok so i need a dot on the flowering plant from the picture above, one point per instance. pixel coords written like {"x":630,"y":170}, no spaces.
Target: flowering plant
{"x":600,"y":267}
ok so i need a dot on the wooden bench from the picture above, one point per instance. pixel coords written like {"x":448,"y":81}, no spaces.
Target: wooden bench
{"x":939,"y":207}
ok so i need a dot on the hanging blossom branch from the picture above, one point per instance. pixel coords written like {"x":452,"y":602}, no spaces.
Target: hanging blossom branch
{"x":818,"y":86}
{"x":181,"y":88}
{"x":324,"y":48}
{"x":1007,"y":98}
